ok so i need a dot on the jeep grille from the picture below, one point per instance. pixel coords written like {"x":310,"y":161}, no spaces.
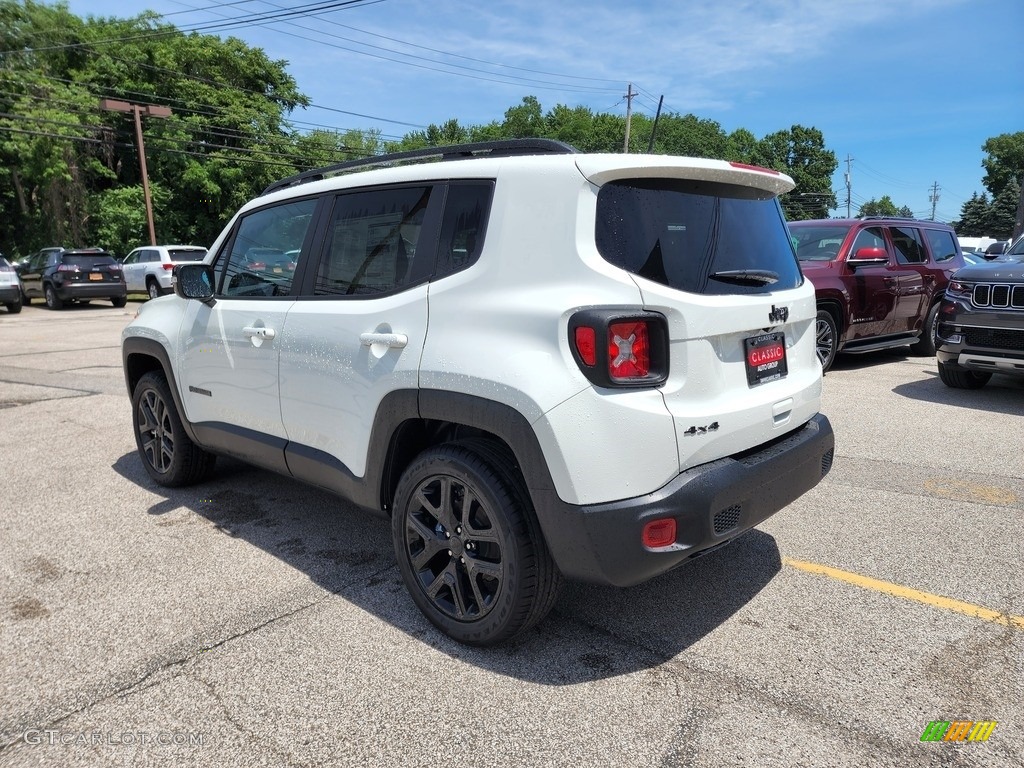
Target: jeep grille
{"x":998,"y":296}
{"x":994,"y":338}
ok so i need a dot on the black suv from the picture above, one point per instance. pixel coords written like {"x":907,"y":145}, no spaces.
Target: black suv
{"x":981,"y":322}
{"x":73,"y":275}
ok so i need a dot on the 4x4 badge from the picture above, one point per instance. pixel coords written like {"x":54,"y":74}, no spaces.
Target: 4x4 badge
{"x":778,"y":314}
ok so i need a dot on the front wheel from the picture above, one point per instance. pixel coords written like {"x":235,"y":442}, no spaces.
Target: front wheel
{"x":167,"y":453}
{"x":925,"y":346}
{"x":826,"y":339}
{"x":469,"y":547}
{"x":962,"y":378}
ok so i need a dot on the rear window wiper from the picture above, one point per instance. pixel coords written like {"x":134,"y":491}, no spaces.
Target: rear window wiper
{"x":746,"y":276}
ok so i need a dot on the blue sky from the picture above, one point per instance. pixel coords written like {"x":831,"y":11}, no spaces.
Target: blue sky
{"x":910,"y":89}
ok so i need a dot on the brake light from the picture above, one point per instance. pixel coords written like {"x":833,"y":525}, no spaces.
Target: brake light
{"x":758,"y":168}
{"x":659,"y":533}
{"x":629,"y":350}
{"x":68,"y":268}
{"x":115,"y":267}
{"x":168,"y":267}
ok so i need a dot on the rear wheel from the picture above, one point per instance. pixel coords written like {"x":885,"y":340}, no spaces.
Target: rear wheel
{"x":469,"y":547}
{"x":925,"y":346}
{"x":53,"y":301}
{"x":153,"y":289}
{"x":167,"y":453}
{"x":962,"y":378}
{"x":826,"y":339}
{"x":14,"y":307}
{"x":119,"y":301}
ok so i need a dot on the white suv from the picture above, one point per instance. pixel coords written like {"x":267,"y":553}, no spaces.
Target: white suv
{"x":538,"y":363}
{"x":149,"y":269}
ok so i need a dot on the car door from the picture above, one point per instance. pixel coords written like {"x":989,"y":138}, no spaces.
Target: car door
{"x":357,"y":332}
{"x":231,"y":345}
{"x":134,"y":271}
{"x":874,"y":288}
{"x":916,"y":281}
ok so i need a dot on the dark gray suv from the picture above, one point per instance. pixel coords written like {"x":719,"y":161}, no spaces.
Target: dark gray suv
{"x":73,"y":275}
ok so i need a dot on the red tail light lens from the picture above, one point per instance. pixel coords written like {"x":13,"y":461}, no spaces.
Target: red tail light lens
{"x":659,"y":533}
{"x":629,"y":350}
{"x":586,"y":345}
{"x":68,"y":268}
{"x":168,"y":267}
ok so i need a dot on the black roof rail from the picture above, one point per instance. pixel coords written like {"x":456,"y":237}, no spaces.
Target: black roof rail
{"x":503,"y":148}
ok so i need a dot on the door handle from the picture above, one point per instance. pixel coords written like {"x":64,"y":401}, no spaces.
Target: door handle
{"x":393,"y":340}
{"x":259,"y":333}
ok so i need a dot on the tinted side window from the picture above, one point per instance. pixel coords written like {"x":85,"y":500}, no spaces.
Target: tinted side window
{"x":909,"y":246}
{"x":872,"y":237}
{"x":941,"y":243}
{"x":371,"y":243}
{"x":265,"y":250}
{"x":464,"y":224}
{"x":699,"y":237}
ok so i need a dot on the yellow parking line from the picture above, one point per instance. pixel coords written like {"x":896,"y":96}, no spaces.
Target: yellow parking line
{"x":886,"y":587}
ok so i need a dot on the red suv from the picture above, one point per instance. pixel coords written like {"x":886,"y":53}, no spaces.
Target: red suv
{"x":878,"y":281}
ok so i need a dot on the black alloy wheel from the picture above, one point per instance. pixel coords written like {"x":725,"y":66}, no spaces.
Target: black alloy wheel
{"x":469,"y":548}
{"x":925,"y":345}
{"x":826,"y":337}
{"x":167,"y":453}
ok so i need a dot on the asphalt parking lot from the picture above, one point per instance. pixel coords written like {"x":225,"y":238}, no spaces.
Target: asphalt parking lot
{"x":254,"y":621}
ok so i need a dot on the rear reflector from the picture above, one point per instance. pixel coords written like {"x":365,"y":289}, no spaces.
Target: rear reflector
{"x":659,"y":533}
{"x":586,"y":345}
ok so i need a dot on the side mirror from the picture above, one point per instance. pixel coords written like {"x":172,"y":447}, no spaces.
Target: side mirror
{"x":994,"y":250}
{"x":194,"y":281}
{"x":869,"y":257}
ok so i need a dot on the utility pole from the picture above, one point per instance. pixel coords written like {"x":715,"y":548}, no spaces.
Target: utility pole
{"x":933,"y":198}
{"x":150,"y":110}
{"x":629,"y":116}
{"x":849,"y":160}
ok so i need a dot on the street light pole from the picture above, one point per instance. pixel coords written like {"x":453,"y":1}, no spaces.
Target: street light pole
{"x":138,"y":110}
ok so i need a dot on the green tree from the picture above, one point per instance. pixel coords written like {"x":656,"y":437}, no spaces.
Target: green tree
{"x":974,"y":216}
{"x":883,"y":207}
{"x":1004,"y":162}
{"x":1003,"y":211}
{"x":801,"y":153}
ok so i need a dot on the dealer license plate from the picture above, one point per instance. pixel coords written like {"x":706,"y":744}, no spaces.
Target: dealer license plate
{"x":765,"y":358}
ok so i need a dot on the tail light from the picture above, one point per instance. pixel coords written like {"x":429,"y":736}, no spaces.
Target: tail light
{"x":68,"y":268}
{"x":614,"y":349}
{"x":168,"y":266}
{"x":115,"y":267}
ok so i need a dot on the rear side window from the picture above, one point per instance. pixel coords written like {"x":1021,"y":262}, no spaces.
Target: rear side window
{"x":941,"y":243}
{"x":372,"y":242}
{"x":698,"y":237}
{"x":909,"y":246}
{"x":464,"y":225}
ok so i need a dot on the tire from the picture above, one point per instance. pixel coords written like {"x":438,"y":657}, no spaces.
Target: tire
{"x":925,"y":346}
{"x":53,"y":301}
{"x":167,"y":453}
{"x":14,"y":307}
{"x":153,"y":289}
{"x":119,"y":301}
{"x":961,"y":378}
{"x":482,"y":574}
{"x":826,"y":339}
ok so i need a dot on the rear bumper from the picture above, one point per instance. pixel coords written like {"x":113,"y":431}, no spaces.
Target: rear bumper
{"x":711,"y":504}
{"x":83,"y":290}
{"x":9,"y":294}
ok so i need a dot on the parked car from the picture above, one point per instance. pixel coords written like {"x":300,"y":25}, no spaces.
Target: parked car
{"x":73,"y":275}
{"x":618,"y":373}
{"x":878,"y":281}
{"x":10,"y":287}
{"x":149,"y":269}
{"x":981,"y":323}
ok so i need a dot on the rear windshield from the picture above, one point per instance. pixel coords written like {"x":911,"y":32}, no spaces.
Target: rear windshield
{"x":696,"y":236}
{"x":87,"y":261}
{"x":187,"y":254}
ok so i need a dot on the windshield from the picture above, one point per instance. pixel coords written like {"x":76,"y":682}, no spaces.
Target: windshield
{"x":696,"y":236}
{"x":818,"y":242}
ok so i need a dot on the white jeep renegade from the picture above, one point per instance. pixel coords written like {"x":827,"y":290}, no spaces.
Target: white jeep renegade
{"x":539,"y":363}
